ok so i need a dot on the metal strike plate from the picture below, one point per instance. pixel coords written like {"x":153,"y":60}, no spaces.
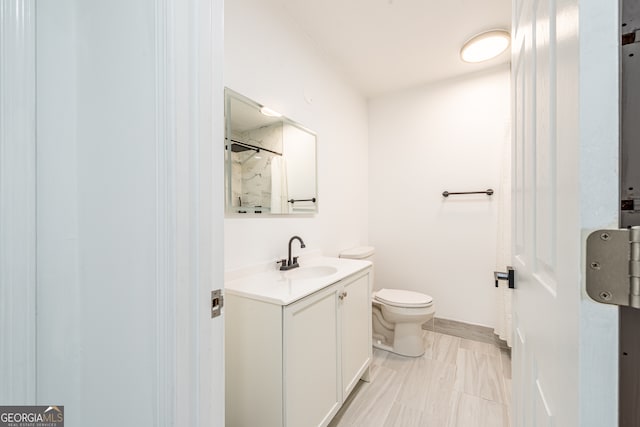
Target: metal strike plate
{"x":217,"y":302}
{"x":608,"y":266}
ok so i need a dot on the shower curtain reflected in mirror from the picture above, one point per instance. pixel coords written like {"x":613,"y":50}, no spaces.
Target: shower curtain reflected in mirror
{"x":279,"y":186}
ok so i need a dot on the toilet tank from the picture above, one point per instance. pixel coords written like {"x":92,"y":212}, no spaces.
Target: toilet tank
{"x":365,"y":253}
{"x":360,"y":252}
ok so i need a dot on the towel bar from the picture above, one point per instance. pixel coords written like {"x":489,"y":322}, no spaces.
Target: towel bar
{"x":301,"y":200}
{"x":488,"y":192}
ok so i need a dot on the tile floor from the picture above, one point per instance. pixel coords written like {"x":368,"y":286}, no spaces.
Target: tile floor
{"x":456,"y":383}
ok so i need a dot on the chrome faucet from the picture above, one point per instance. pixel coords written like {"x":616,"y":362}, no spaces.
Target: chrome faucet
{"x":288,"y":264}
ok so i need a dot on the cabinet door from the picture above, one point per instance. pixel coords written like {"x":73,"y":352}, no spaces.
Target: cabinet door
{"x":355,"y":310}
{"x":312,"y":391}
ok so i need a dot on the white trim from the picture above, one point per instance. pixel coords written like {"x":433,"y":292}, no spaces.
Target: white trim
{"x":599,"y":126}
{"x":17,"y":203}
{"x":165,"y":216}
{"x":216,"y":191}
{"x":199,"y":207}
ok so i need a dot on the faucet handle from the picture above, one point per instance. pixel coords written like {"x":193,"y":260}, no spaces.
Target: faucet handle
{"x":295,"y":260}
{"x":283,"y":262}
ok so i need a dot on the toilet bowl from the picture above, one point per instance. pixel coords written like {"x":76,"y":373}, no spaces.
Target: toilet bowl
{"x":397,"y":318}
{"x":397,"y":315}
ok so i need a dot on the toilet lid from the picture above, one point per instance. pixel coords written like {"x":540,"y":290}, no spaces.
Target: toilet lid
{"x":402,"y":298}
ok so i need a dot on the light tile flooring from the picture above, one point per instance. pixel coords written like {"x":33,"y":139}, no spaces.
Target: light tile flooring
{"x":456,"y":383}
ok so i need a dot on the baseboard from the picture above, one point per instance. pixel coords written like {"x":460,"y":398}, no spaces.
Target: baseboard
{"x":465,"y":330}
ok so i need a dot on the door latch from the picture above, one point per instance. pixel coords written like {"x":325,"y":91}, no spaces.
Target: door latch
{"x":613,"y":266}
{"x":217,"y":302}
{"x":509,"y":276}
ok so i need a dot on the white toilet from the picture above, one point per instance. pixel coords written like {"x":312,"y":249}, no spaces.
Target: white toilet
{"x":398,"y":314}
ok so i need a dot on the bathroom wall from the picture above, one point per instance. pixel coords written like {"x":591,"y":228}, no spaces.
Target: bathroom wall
{"x":446,"y":136}
{"x":272,"y":61}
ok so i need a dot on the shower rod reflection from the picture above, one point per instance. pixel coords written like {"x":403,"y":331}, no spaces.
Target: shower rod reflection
{"x":239,"y":146}
{"x":488,"y":192}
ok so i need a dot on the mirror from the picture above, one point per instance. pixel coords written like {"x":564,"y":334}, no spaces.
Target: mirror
{"x":270,"y":161}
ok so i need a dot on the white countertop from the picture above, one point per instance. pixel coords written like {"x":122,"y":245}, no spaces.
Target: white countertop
{"x":274,"y":287}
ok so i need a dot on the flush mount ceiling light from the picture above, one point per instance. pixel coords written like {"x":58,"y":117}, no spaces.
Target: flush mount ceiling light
{"x":485,"y":46}
{"x":269,"y":112}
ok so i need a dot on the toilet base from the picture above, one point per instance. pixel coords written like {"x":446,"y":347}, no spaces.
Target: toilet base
{"x":382,"y":346}
{"x":408,"y":340}
{"x":411,"y":351}
{"x":404,"y":339}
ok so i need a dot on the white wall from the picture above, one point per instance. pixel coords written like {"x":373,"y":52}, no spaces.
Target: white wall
{"x":446,"y":136}
{"x":272,"y":61}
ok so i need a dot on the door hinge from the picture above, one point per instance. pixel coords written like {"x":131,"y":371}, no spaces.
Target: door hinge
{"x":632,"y":37}
{"x":217,"y":302}
{"x":613,"y":266}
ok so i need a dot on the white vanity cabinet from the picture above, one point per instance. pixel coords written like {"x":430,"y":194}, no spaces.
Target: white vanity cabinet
{"x":294,"y":365}
{"x":312,"y":359}
{"x":356,"y":345}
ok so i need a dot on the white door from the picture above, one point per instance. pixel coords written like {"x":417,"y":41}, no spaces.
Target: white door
{"x":119,"y":213}
{"x":564,"y":77}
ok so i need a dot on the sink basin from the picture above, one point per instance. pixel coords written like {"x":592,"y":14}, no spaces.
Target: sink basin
{"x":268,"y":284}
{"x":312,"y":272}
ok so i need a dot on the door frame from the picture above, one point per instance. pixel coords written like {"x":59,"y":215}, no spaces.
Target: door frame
{"x":199,"y":123}
{"x":17,"y":203}
{"x":599,"y":121}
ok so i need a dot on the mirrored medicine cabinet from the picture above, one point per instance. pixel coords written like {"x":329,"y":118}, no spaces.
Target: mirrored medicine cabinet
{"x":270,"y":161}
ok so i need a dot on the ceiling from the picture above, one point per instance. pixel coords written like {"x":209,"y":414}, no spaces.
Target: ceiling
{"x":388,"y":45}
